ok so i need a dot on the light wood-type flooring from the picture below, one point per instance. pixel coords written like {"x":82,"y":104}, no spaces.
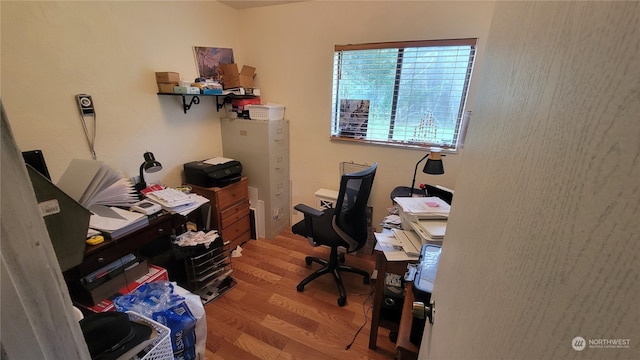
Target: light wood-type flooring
{"x":264,"y":317}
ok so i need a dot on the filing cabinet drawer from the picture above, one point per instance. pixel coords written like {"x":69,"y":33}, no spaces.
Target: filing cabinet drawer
{"x":234,"y":213}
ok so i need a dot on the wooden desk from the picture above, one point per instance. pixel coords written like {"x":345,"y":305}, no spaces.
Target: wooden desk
{"x":96,"y":256}
{"x":384,"y":266}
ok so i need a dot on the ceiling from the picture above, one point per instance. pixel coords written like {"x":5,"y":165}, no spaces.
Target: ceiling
{"x":242,"y":4}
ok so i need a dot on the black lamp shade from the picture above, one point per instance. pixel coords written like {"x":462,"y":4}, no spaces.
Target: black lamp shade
{"x":150,"y":164}
{"x":434,"y":163}
{"x":433,"y":167}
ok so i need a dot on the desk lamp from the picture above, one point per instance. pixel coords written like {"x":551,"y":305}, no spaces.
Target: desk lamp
{"x":433,"y":166}
{"x":149,"y":165}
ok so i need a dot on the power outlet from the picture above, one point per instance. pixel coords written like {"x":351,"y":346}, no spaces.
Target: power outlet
{"x":85,"y":104}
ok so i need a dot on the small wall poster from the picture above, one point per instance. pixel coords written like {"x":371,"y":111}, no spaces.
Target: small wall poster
{"x":354,"y":118}
{"x":208,"y":59}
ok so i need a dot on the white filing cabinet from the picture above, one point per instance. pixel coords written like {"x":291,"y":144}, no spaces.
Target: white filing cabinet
{"x":262,"y":146}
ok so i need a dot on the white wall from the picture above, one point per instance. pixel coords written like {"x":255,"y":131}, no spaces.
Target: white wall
{"x":110,"y":50}
{"x":542,"y":241}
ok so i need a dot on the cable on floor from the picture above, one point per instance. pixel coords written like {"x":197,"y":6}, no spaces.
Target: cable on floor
{"x":365,"y":310}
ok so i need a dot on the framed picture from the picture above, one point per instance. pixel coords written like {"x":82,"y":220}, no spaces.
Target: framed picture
{"x":354,"y":118}
{"x":208,"y":59}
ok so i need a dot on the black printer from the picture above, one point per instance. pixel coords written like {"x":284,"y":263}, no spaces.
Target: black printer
{"x":208,"y":173}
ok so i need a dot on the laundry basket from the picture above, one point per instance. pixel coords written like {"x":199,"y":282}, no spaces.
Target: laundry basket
{"x":161,"y":346}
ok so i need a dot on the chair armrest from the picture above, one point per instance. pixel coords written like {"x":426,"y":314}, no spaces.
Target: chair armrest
{"x":308,"y":210}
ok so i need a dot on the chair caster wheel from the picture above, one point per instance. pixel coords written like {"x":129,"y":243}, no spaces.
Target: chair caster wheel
{"x":342,"y":301}
{"x":300,"y":288}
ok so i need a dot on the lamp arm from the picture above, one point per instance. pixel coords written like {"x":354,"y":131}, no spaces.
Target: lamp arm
{"x":415,"y":172}
{"x":142,"y":184}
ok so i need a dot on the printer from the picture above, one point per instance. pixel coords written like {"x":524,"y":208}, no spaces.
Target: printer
{"x":216,"y":172}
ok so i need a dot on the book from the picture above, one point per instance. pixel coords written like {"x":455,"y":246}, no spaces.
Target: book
{"x":91,"y":182}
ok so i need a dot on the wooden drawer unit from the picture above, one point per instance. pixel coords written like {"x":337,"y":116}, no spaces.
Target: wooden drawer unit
{"x":230,"y":213}
{"x":234,"y":213}
{"x":238,"y":232}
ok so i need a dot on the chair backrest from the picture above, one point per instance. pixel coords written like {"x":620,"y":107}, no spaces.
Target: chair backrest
{"x":350,"y":213}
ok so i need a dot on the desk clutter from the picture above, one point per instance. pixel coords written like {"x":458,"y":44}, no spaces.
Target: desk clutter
{"x":104,"y":237}
{"x":412,"y":223}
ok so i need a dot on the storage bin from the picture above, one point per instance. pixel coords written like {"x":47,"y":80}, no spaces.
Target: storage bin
{"x":266,"y":112}
{"x":161,"y":347}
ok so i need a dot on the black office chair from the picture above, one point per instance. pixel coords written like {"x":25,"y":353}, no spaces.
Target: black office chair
{"x":342,"y":226}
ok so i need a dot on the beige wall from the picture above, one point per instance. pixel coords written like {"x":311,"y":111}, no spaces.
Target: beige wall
{"x":54,"y":50}
{"x":110,"y":50}
{"x":292,"y":47}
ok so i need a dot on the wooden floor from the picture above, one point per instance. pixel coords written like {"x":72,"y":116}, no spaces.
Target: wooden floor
{"x":264,"y":317}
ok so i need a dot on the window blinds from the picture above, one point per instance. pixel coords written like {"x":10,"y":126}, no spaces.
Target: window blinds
{"x":403,"y":93}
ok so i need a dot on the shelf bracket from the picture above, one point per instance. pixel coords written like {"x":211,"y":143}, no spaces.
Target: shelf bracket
{"x":194,"y":100}
{"x":219,"y":106}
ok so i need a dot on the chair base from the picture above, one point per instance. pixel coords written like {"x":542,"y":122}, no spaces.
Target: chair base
{"x":334,"y":267}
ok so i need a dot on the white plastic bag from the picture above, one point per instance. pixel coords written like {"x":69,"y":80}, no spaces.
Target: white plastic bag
{"x":197,"y":310}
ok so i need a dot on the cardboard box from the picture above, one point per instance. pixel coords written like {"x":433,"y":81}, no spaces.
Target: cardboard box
{"x":155,"y":273}
{"x":166,"y":88}
{"x":167,"y":77}
{"x":231,"y":78}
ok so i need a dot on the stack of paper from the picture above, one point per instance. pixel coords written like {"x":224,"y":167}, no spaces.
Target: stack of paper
{"x":91,"y":182}
{"x":424,"y":207}
{"x":175,"y":201}
{"x":400,"y":246}
{"x":117,"y":226}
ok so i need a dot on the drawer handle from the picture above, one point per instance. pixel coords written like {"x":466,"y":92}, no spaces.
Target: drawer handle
{"x":100,"y":259}
{"x":160,"y":230}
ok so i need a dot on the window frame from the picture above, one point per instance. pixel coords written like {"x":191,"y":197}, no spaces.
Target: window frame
{"x":463,"y":113}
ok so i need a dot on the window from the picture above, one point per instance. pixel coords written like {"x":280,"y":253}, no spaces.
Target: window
{"x":410,"y":94}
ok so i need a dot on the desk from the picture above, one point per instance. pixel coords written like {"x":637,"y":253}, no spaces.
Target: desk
{"x":158,"y":231}
{"x":384,"y":266}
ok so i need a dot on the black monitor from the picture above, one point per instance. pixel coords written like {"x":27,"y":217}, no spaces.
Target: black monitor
{"x":35,"y":159}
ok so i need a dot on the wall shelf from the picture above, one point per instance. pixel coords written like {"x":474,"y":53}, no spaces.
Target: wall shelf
{"x":195,"y":99}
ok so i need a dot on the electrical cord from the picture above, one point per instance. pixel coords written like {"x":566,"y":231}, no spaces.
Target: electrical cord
{"x":91,"y":138}
{"x":365,"y":310}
